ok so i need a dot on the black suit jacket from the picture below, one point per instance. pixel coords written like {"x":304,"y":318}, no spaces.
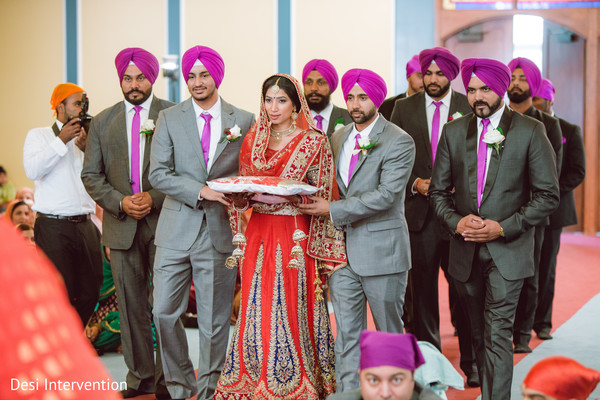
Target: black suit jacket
{"x":388,"y":105}
{"x":336,"y":114}
{"x":409,"y":114}
{"x":521,"y":190}
{"x":572,"y":174}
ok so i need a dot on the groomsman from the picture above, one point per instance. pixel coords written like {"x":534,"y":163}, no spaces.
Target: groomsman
{"x":572,"y":174}
{"x":494,"y":179}
{"x":525,"y":81}
{"x":193,"y":237}
{"x":423,"y":116}
{"x":414,"y":78}
{"x":115,"y":174}
{"x":374,"y":159}
{"x":320,"y":81}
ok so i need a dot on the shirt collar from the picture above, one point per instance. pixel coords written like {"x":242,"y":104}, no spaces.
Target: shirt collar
{"x":214,"y":111}
{"x":59,"y":125}
{"x":367,"y":131}
{"x":325,"y":113}
{"x":494,"y":118}
{"x":145,"y":105}
{"x":445,"y":100}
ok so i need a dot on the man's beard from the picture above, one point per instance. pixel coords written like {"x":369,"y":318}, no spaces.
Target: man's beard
{"x":364,"y":117}
{"x":517,"y":96}
{"x":434,"y":92}
{"x":318,"y":102}
{"x":140,"y":100}
{"x":491,"y":109}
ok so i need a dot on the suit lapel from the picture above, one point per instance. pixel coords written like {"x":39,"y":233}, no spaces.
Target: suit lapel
{"x":337,"y":145}
{"x":471,"y":157}
{"x":453,"y":106}
{"x":373,"y":136}
{"x":227,"y":122}
{"x":152,"y":115}
{"x":496,"y":156}
{"x":421,"y":126}
{"x":190,"y":127}
{"x":335,"y":115}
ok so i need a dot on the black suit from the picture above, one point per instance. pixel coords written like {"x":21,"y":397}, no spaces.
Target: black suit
{"x":571,"y":175}
{"x":521,"y":190}
{"x":388,"y":105}
{"x":429,"y":243}
{"x":529,"y":294}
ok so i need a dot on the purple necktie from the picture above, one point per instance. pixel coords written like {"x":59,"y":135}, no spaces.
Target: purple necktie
{"x":435,"y":130}
{"x":481,"y":157}
{"x":354,"y":158}
{"x":206,"y":137}
{"x":135,"y":151}
{"x":319,"y":122}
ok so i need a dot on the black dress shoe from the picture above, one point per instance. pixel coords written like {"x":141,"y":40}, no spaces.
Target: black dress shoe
{"x":544,"y":335}
{"x":473,"y":379}
{"x":162,"y":393}
{"x":130,"y":392}
{"x":522,"y":348}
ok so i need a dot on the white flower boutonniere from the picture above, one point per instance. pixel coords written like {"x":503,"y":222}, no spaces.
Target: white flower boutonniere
{"x":233,"y":134}
{"x":339,"y":124}
{"x":364,"y":144}
{"x":493,"y":138}
{"x":147,"y":129}
{"x":457,"y":114}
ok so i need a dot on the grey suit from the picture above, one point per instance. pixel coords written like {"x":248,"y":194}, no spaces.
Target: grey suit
{"x":105,"y":175}
{"x":371,"y":210}
{"x":521,"y":190}
{"x":336,"y":114}
{"x":193,"y":239}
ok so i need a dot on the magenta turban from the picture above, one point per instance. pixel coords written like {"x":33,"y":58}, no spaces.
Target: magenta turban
{"x":209,"y":58}
{"x":369,"y":81}
{"x":546,"y":90}
{"x":379,"y":349}
{"x":325,"y":68}
{"x":142,"y":59}
{"x":413,"y":65}
{"x":531,"y":71}
{"x":493,"y":73}
{"x":447,"y":61}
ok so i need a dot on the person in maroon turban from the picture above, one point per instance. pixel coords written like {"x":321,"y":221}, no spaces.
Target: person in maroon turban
{"x":320,"y":81}
{"x":374,"y":158}
{"x":525,"y":81}
{"x":414,"y":78}
{"x":559,"y":378}
{"x":124,"y":132}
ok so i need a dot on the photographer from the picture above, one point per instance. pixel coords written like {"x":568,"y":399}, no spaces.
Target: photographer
{"x":53,"y":159}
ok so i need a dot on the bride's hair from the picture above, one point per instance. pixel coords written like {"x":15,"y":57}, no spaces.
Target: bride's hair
{"x":288,"y":87}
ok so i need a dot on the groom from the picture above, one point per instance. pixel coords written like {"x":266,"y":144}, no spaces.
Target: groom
{"x":490,"y":196}
{"x":372,"y":182}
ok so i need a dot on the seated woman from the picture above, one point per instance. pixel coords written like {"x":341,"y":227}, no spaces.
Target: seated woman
{"x":282,"y":346}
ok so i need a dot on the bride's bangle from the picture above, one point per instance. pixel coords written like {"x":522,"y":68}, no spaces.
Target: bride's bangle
{"x":241,"y":209}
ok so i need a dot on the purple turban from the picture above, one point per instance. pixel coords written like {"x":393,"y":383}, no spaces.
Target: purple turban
{"x":142,"y":59}
{"x":379,"y":349}
{"x":546,"y":90}
{"x":493,"y":73}
{"x":369,"y":81}
{"x":209,"y":58}
{"x":413,"y":65}
{"x":531,"y":71}
{"x":325,"y":68}
{"x":447,"y":61}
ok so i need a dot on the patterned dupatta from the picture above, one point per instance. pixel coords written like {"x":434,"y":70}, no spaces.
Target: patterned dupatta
{"x":307,"y":158}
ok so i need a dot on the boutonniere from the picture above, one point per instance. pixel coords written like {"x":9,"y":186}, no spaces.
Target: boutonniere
{"x":457,"y":114}
{"x":493,"y":138}
{"x":339,"y":124}
{"x":364,"y":144}
{"x":147,"y":129}
{"x":232,"y":134}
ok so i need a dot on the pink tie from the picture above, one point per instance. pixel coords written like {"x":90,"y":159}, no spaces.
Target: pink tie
{"x":435,"y":130}
{"x":206,"y":136}
{"x":319,"y":122}
{"x":481,"y":157}
{"x":354,"y":158}
{"x":135,"y":151}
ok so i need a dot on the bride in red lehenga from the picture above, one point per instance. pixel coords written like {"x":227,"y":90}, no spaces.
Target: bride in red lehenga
{"x":282,"y":346}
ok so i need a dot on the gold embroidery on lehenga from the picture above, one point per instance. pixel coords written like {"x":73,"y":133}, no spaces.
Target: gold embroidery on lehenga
{"x":306,"y":346}
{"x":252,"y":340}
{"x":325,"y":353}
{"x":283,"y":368}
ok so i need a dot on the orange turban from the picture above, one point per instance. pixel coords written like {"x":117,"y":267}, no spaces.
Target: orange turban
{"x":63,"y":91}
{"x":562,"y":378}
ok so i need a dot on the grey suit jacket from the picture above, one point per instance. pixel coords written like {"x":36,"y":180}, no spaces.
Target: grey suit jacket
{"x":336,"y":114}
{"x":372,"y":206}
{"x":409,"y":114}
{"x":521,"y":190}
{"x":105,"y":173}
{"x":177,"y":169}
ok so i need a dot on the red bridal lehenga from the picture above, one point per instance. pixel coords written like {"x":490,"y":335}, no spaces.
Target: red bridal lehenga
{"x":282,"y":345}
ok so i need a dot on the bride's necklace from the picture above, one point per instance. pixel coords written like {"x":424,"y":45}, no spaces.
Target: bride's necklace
{"x":278,"y":135}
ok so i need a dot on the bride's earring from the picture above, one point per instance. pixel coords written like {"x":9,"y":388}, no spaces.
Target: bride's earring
{"x":294,"y":115}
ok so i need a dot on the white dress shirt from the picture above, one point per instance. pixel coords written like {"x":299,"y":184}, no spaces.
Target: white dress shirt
{"x":144,"y":113}
{"x":494,"y":122}
{"x":444,"y":110}
{"x":215,"y":127}
{"x":326,"y":114}
{"x":348,"y":148}
{"x":55,"y":168}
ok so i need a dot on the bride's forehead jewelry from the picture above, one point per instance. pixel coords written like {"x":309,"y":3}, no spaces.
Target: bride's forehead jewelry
{"x":275,"y":87}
